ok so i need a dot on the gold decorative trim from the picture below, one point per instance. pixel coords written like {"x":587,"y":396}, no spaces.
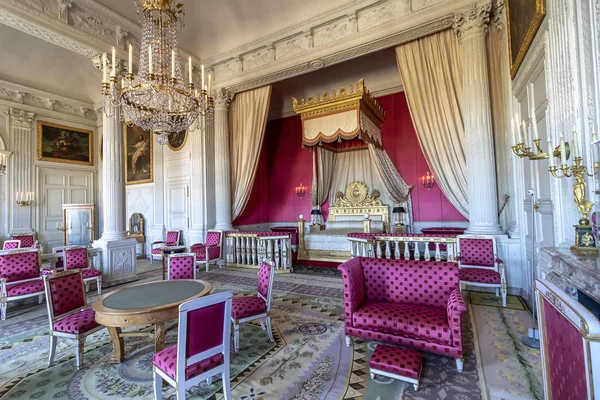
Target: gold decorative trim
{"x":357,"y":201}
{"x":540,"y":13}
{"x":40,"y":155}
{"x":324,"y":255}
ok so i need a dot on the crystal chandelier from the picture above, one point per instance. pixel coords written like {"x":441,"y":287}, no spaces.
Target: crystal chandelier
{"x":157,"y":99}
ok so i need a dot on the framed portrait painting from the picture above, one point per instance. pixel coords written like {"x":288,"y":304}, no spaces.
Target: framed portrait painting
{"x":524,"y":18}
{"x":177,"y":140}
{"x":64,"y":144}
{"x":139,"y":155}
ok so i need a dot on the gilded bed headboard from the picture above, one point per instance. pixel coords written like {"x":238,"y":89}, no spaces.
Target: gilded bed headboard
{"x":357,"y":201}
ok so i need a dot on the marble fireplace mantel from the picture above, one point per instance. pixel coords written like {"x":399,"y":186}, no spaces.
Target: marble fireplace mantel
{"x":576,"y":270}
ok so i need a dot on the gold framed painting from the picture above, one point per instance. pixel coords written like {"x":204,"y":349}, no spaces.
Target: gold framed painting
{"x":64,"y":144}
{"x":139,"y":155}
{"x":177,"y":140}
{"x":524,"y":18}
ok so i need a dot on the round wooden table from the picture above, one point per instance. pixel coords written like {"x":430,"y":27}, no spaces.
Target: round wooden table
{"x":152,"y":303}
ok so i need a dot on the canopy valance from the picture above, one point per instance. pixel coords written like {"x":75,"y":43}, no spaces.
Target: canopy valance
{"x":338,"y":117}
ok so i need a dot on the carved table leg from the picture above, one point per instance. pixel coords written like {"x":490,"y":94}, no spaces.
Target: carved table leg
{"x":159,"y":337}
{"x":117,"y":339}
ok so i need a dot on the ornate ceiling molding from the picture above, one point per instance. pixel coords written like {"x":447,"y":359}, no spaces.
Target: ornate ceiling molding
{"x":23,"y":95}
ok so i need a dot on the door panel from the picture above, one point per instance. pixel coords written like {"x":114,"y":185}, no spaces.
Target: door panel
{"x":178,"y":207}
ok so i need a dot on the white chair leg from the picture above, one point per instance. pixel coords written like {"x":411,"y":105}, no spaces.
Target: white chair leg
{"x":40,"y":299}
{"x":99,"y":286}
{"x":181,"y":393}
{"x":236,"y":337}
{"x":209,"y":380}
{"x":348,"y":341}
{"x":87,"y":287}
{"x":206,"y":266}
{"x":269,"y":329}
{"x":497,"y":292}
{"x":79,"y":353}
{"x":372,"y":375}
{"x":262,"y":324}
{"x":157,"y":386}
{"x":226,"y":384}
{"x":459,"y":364}
{"x":52,"y":350}
{"x":3,"y":311}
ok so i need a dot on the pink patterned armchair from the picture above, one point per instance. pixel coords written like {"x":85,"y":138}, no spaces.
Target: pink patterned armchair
{"x":479,"y":263}
{"x":68,"y":312}
{"x":209,"y":251}
{"x":27,"y":241}
{"x":173,"y":238}
{"x":181,"y":266}
{"x":76,"y":257}
{"x":11,"y":244}
{"x":406,"y":302}
{"x":20,"y":277}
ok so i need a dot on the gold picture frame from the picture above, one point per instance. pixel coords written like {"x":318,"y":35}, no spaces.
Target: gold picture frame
{"x":100,"y":150}
{"x":64,"y":144}
{"x":522,"y":28}
{"x":175,"y":141}
{"x":139,"y":155}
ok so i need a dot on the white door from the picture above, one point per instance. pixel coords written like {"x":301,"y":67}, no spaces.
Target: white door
{"x":58,"y":187}
{"x":178,"y":207}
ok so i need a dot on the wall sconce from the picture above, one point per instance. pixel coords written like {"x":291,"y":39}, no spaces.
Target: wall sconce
{"x":24,"y":199}
{"x":300,"y":190}
{"x":4,"y":162}
{"x":428,"y":180}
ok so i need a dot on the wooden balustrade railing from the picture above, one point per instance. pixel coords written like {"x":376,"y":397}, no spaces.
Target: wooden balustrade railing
{"x":403,"y":246}
{"x":248,"y":249}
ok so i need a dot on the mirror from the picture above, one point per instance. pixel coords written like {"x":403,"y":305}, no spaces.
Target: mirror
{"x":78,"y":224}
{"x":136,"y":224}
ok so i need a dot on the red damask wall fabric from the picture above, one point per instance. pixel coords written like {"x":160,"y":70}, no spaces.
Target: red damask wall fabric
{"x":284,"y":164}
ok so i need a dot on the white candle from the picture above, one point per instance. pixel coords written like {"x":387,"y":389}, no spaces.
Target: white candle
{"x":575,"y":145}
{"x":532,"y":99}
{"x":130,"y":58}
{"x":536,"y":135}
{"x":550,"y":151}
{"x":595,"y":148}
{"x":173,"y":63}
{"x":563,"y":151}
{"x":190,"y":69}
{"x":524,"y":132}
{"x":513,"y":131}
{"x":209,"y":84}
{"x":104,"y":69}
{"x":202,"y":69}
{"x":150,"y":69}
{"x":114,"y":63}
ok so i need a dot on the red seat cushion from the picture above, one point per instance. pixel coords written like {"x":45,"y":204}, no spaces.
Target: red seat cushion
{"x":90,"y":273}
{"x":396,"y":361}
{"x":244,"y":307}
{"x":200,"y":250}
{"x":166,"y":360}
{"x":157,"y":251}
{"x":479,"y":275}
{"x":416,"y":321}
{"x":78,"y":323}
{"x":22,"y":289}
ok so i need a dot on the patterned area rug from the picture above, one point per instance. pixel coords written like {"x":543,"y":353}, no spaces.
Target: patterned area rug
{"x":491,"y":300}
{"x":511,"y":370}
{"x":309,"y":359}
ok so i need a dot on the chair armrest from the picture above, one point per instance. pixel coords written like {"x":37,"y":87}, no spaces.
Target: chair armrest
{"x":354,"y":287}
{"x":197,"y":247}
{"x":159,"y":242}
{"x":456,"y":306}
{"x":457,"y":259}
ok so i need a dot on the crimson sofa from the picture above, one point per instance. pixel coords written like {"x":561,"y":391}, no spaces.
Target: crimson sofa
{"x":411,"y":303}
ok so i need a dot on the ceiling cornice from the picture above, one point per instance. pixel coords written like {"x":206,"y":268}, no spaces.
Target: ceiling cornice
{"x":361,"y":28}
{"x":21,"y":95}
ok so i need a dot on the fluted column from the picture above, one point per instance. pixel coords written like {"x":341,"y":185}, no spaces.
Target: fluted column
{"x":113,"y":178}
{"x":21,"y":135}
{"x":471,"y":27}
{"x":222,"y":160}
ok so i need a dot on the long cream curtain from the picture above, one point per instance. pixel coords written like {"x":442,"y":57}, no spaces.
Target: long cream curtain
{"x":326,"y":161}
{"x":432,"y":77}
{"x":247,"y":122}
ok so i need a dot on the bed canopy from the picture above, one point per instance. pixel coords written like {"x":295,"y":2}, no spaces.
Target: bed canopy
{"x":343,"y":129}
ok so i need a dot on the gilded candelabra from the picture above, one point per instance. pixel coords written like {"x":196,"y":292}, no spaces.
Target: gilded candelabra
{"x":520,"y":150}
{"x":584,"y":237}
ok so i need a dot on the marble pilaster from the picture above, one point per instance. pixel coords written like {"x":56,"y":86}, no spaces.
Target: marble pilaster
{"x":222,"y":160}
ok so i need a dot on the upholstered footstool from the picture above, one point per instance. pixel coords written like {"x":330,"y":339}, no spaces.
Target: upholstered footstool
{"x":396,"y":363}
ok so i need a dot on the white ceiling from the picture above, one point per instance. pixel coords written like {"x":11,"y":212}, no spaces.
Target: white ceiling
{"x":216,"y":26}
{"x":36,"y":63}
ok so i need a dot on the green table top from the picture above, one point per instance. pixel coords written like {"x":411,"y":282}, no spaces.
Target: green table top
{"x":152,"y":295}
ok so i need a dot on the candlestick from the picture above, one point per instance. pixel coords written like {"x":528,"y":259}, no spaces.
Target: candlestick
{"x":190,"y":69}
{"x":513,"y":132}
{"x":563,"y":152}
{"x":550,"y":149}
{"x":150,"y":69}
{"x":575,"y":145}
{"x":114,"y":63}
{"x":173,"y":63}
{"x":130,"y":58}
{"x":595,"y":148}
{"x":209,"y":84}
{"x":524,"y":133}
{"x":534,"y":124}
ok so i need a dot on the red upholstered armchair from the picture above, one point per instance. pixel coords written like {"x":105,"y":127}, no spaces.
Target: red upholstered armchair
{"x":27,"y":241}
{"x":173,"y":238}
{"x":20,"y":277}
{"x":11,"y":244}
{"x":76,"y":257}
{"x":479,"y":263}
{"x":411,"y":303}
{"x":211,"y":250}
